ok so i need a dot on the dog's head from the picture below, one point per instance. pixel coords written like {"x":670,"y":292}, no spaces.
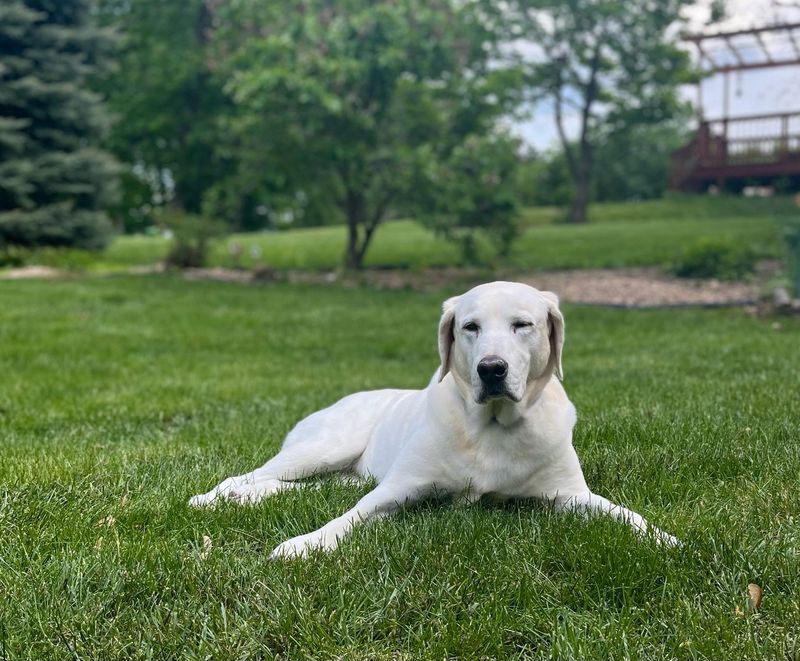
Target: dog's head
{"x":500,"y":337}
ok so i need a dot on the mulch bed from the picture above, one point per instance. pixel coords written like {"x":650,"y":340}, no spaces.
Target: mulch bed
{"x":629,"y":287}
{"x":639,"y":287}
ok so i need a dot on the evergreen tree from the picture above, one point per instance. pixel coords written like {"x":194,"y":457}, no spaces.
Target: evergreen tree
{"x":54,"y":180}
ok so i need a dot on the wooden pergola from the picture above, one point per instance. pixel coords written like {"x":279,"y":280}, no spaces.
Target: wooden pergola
{"x":733,"y":151}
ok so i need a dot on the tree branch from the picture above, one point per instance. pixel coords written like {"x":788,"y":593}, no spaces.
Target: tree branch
{"x":590,"y":95}
{"x":562,"y":134}
{"x":375,"y":220}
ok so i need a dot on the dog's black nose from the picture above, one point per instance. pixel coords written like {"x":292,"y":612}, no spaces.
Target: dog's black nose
{"x":492,"y":369}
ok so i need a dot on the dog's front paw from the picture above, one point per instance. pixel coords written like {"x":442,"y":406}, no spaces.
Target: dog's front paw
{"x":302,"y":545}
{"x":665,"y":539}
{"x":245,"y":491}
{"x":218,"y":493}
{"x":670,"y":540}
{"x":203,"y":499}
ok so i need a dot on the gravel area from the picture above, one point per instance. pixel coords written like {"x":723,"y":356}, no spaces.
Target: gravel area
{"x":33,"y":272}
{"x":642,"y":287}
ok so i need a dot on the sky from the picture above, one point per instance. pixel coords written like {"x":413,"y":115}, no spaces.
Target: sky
{"x":751,"y":92}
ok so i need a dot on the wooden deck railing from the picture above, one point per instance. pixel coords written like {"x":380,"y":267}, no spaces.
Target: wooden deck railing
{"x":751,"y":139}
{"x":736,"y":143}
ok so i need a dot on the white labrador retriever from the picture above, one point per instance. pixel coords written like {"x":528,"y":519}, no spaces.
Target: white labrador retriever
{"x":493,"y":420}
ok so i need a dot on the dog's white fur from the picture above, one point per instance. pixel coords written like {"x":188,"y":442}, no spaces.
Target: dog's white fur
{"x":452,"y":437}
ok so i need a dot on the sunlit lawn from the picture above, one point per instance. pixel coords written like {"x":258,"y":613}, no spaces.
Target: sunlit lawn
{"x":121,"y":397}
{"x":405,"y":244}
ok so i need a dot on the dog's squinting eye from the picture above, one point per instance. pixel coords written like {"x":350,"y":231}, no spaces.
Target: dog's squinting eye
{"x":471,"y":327}
{"x":517,"y":325}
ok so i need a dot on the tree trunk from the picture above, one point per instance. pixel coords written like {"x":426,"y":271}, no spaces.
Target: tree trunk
{"x":578,"y":211}
{"x":361,"y":225}
{"x":582,"y":164}
{"x":354,"y":209}
{"x":353,"y":257}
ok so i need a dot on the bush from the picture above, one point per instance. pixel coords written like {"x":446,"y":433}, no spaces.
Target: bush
{"x":192,"y":238}
{"x":67,"y":259}
{"x":472,"y":194}
{"x":791,"y":237}
{"x":13,"y":256}
{"x":715,"y":258}
{"x":57,"y":225}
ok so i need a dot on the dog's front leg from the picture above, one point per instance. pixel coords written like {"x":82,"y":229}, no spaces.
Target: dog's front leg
{"x":591,"y":502}
{"x":382,"y":500}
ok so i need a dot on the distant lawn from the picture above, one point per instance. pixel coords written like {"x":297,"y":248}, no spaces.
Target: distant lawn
{"x":673,"y":207}
{"x":633,"y":234}
{"x":123,"y":396}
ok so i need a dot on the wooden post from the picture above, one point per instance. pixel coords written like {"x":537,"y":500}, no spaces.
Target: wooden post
{"x":784,"y":143}
{"x":726,"y":95}
{"x":700,"y":112}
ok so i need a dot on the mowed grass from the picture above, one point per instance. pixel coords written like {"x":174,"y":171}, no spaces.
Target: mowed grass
{"x":122,"y":397}
{"x":629,"y":234}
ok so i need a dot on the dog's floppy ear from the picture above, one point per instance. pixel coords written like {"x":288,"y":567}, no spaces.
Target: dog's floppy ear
{"x":556,"y":322}
{"x":446,"y":334}
{"x":551,"y":297}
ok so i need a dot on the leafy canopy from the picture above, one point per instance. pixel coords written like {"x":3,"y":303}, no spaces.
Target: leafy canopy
{"x":338,"y":104}
{"x":611,"y":65}
{"x":167,"y":102}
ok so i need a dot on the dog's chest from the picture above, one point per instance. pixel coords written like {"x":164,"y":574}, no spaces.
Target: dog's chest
{"x":497,"y":461}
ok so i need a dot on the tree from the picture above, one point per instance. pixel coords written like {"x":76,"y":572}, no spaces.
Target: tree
{"x":636,"y":160}
{"x":543,"y":180}
{"x":167,"y":101}
{"x":339,"y":102}
{"x":636,"y":164}
{"x":473,"y":191}
{"x":54,"y":180}
{"x":613,"y":64}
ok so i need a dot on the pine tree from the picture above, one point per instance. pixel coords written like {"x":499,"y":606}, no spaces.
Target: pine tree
{"x":54,"y":179}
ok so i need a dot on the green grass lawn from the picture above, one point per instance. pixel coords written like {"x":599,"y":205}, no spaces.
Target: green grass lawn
{"x":630,"y":234}
{"x":121,"y":397}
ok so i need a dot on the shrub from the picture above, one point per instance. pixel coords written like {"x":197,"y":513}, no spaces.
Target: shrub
{"x":67,"y":259}
{"x":791,"y":237}
{"x":472,"y":194}
{"x":13,"y":256}
{"x":714,"y":257}
{"x":58,"y":225}
{"x":192,"y":238}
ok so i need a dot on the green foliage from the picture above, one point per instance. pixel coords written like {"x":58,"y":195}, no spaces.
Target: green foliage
{"x":168,"y":104}
{"x":338,"y":104}
{"x":544,"y":180}
{"x":135,"y":209}
{"x":622,"y":234}
{"x":14,"y":256}
{"x":54,"y":181}
{"x":791,"y":238}
{"x":128,"y":395}
{"x":192,"y":237}
{"x":615,"y":65}
{"x":714,"y":257}
{"x":635,"y":166}
{"x":55,"y":225}
{"x":634,"y":162}
{"x":68,"y":259}
{"x":472,"y":192}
